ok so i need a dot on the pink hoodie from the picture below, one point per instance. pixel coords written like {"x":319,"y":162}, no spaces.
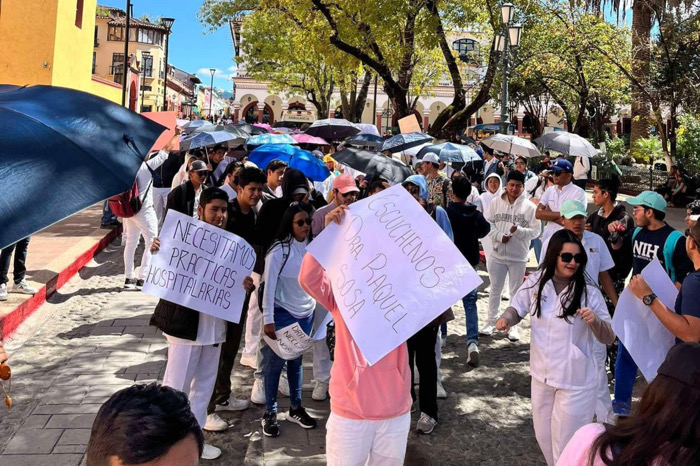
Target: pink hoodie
{"x":358,"y":391}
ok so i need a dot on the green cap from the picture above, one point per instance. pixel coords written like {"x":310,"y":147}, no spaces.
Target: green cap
{"x":649,"y":199}
{"x":572,"y":208}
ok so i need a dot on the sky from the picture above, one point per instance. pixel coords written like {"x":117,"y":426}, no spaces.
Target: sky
{"x":192,"y":47}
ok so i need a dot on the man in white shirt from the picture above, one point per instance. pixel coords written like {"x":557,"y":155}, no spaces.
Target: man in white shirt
{"x":229,"y":186}
{"x":581,"y":168}
{"x":563,"y":189}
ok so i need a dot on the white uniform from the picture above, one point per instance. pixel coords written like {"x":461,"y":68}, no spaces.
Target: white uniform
{"x":554,"y":197}
{"x":562,"y":364}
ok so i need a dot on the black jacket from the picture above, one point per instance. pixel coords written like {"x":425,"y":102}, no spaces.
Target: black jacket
{"x":623,"y":256}
{"x":468,"y":226}
{"x":181,"y":199}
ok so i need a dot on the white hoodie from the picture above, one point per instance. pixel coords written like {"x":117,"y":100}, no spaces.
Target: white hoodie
{"x":501,"y":214}
{"x":486,"y":198}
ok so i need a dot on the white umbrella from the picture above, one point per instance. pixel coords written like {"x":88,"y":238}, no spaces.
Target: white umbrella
{"x":511,"y":145}
{"x":567,"y":143}
{"x":368,"y":128}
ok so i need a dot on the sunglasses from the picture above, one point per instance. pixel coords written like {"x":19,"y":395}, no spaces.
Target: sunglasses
{"x":567,"y":257}
{"x":300,"y":223}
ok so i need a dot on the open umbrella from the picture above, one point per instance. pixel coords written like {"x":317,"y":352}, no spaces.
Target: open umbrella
{"x":512,"y":145}
{"x":401,"y":142}
{"x":261,"y":139}
{"x":368,"y":128}
{"x":566,"y":143}
{"x":250,"y":129}
{"x":449,"y":152}
{"x":235,"y":130}
{"x":374,"y":164}
{"x":63,"y":150}
{"x":208,"y":138}
{"x":194,"y":124}
{"x":332,"y":129}
{"x":302,"y":138}
{"x":263,"y":126}
{"x":297,"y":158}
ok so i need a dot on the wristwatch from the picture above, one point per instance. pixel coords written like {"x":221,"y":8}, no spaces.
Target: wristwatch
{"x":648,"y":299}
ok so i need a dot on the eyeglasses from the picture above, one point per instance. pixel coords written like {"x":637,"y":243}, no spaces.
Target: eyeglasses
{"x":567,"y":257}
{"x":300,"y":223}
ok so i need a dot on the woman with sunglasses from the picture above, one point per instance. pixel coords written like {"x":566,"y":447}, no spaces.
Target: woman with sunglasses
{"x":285,"y":303}
{"x":567,"y":313}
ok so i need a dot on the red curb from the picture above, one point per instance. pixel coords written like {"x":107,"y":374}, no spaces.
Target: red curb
{"x":11,"y":321}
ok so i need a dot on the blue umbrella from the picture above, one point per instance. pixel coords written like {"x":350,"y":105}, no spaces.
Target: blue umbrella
{"x":297,"y":158}
{"x":63,"y":150}
{"x":268,"y":138}
{"x":402,"y":142}
{"x":208,"y":138}
{"x":448,"y":152}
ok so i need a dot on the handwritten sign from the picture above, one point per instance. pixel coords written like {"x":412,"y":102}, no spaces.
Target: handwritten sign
{"x":393,"y":270}
{"x":638,"y":328}
{"x":200,"y":266}
{"x":291,"y":342}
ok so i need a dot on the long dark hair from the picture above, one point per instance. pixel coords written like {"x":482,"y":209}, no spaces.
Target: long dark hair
{"x":541,"y":180}
{"x":665,"y":426}
{"x":285,"y":232}
{"x":576,"y":289}
{"x":610,"y":185}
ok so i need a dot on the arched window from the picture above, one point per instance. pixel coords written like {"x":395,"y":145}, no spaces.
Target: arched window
{"x":251,"y":116}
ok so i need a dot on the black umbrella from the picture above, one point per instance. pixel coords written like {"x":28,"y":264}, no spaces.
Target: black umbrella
{"x":374,"y":164}
{"x":332,"y":129}
{"x":61,"y":151}
{"x":233,"y":129}
{"x":250,"y":129}
{"x":402,"y":142}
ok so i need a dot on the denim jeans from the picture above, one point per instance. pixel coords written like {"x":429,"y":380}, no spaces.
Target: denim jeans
{"x":472,"y":318}
{"x":536,"y":244}
{"x":107,"y":215}
{"x":273,"y":370}
{"x":625,"y":375}
{"x":20,"y":250}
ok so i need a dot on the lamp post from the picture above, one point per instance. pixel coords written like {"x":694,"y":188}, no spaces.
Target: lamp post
{"x":167,"y":24}
{"x":126,"y":49}
{"x":144,"y":57}
{"x":507,"y":40}
{"x":211,"y":91}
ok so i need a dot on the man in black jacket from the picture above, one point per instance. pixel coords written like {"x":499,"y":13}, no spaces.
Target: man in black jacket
{"x":194,"y":338}
{"x":184,"y":198}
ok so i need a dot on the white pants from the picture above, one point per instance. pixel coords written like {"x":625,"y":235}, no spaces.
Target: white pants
{"x":192,"y":369}
{"x":253,"y":323}
{"x":351,"y":442}
{"x":322,"y":357}
{"x":515,"y":271}
{"x":557,"y":414}
{"x":160,"y":200}
{"x":603,"y":405}
{"x":143,"y":223}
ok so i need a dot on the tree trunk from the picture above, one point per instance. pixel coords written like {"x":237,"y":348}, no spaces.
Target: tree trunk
{"x":361,"y":99}
{"x":641,"y":57}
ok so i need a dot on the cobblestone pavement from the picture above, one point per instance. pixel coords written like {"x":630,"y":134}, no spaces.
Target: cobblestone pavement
{"x":92,"y":339}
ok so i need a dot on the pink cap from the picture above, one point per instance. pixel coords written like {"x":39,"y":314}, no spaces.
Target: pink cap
{"x":344,"y":184}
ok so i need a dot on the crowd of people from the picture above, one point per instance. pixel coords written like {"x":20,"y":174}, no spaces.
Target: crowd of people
{"x":495,"y":215}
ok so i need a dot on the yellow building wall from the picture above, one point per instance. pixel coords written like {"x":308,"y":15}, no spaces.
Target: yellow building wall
{"x":106,"y":91}
{"x":73,"y":51}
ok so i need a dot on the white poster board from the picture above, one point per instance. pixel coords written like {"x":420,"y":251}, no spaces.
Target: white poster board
{"x":392,"y":268}
{"x":638,"y":328}
{"x":409,"y":124}
{"x":291,"y":341}
{"x":200,"y":266}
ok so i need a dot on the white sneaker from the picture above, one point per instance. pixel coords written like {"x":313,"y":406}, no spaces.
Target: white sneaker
{"x":215,"y":424}
{"x":3,"y":292}
{"x":232,"y":404}
{"x":320,"y":392}
{"x":210,"y":452}
{"x":514,"y":334}
{"x":473,"y":354}
{"x":24,"y":288}
{"x":443,"y":341}
{"x":441,"y":393}
{"x":487,"y":330}
{"x":257,"y":395}
{"x":250,"y":360}
{"x":284,"y":385}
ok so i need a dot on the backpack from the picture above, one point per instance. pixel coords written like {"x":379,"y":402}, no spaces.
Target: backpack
{"x":669,"y":248}
{"x":129,"y":203}
{"x":261,"y":288}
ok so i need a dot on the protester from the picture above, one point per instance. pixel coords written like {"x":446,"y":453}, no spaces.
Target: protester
{"x":468,"y":226}
{"x":663,"y":429}
{"x":473,"y":197}
{"x":182,"y":174}
{"x":275,"y":174}
{"x":370,"y":404}
{"x":653,"y":238}
{"x":19,"y":271}
{"x":552,"y":199}
{"x":512,"y":227}
{"x":286,"y":303}
{"x":185,"y":197}
{"x":534,"y":190}
{"x":217,"y":165}
{"x":494,"y":189}
{"x":692,"y":214}
{"x":230,"y":173}
{"x":439,"y":186}
{"x":492,"y":165}
{"x":678,"y":193}
{"x":194,"y":338}
{"x":566,"y":312}
{"x":146,"y":425}
{"x":582,"y":165}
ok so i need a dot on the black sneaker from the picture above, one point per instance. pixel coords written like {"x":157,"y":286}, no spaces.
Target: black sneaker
{"x":139,"y":284}
{"x":130,"y":284}
{"x":299,"y":416}
{"x":269,"y":425}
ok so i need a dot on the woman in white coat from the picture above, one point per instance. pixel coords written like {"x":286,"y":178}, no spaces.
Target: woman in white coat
{"x":568,"y":312}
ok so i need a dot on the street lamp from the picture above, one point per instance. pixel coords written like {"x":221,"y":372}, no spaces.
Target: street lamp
{"x":167,"y":24}
{"x":506,"y":43}
{"x":211,"y":91}
{"x":145,"y":57}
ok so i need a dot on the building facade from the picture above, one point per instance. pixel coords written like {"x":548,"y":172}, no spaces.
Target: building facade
{"x":182,"y":92}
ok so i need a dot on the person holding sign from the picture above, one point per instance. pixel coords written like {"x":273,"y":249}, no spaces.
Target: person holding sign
{"x":370,"y":404}
{"x":567,"y":312}
{"x":285,"y":303}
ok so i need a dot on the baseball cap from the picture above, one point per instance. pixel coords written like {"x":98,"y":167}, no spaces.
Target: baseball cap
{"x":515,"y":175}
{"x":430,"y":157}
{"x":649,"y":199}
{"x":327,"y":158}
{"x":572,"y":208}
{"x":344,"y":184}
{"x":198,"y":166}
{"x":683,"y":364}
{"x":562,"y":165}
{"x":694,"y":210}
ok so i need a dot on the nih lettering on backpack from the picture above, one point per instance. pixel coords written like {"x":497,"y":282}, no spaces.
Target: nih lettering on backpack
{"x":200,"y":266}
{"x":392,"y":268}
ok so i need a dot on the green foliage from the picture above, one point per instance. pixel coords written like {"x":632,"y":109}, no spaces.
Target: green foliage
{"x":688,"y":151}
{"x":617,"y":147}
{"x":647,"y":149}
